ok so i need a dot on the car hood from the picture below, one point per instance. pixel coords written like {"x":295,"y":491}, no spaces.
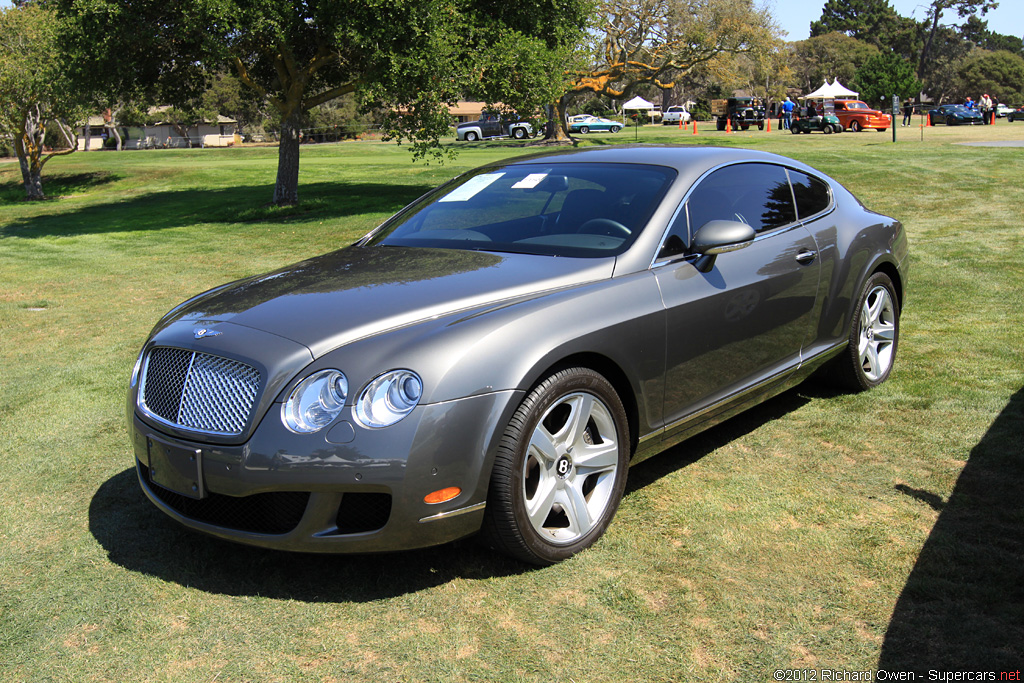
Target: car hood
{"x":358,"y":292}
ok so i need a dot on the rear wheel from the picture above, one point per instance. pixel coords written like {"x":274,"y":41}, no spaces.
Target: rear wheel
{"x":874,"y":336}
{"x":519,"y":133}
{"x":560,"y":469}
{"x":584,"y":129}
{"x":615,"y":129}
{"x":855,"y":126}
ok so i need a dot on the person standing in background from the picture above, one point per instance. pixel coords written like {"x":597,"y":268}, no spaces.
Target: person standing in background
{"x":787,"y":112}
{"x":908,"y":111}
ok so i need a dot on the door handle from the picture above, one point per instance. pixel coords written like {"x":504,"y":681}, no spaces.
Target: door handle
{"x":806,"y":256}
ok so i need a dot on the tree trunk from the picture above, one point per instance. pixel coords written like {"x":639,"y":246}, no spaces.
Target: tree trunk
{"x":286,"y":190}
{"x":557,"y":130}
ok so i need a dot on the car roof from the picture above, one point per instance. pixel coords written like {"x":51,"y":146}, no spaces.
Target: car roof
{"x":689,"y":162}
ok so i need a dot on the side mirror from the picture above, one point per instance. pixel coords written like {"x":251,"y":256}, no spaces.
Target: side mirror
{"x":718,"y":237}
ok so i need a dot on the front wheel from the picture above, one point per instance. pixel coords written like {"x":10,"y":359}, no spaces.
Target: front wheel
{"x":471,"y":137}
{"x":874,"y":336}
{"x":560,"y":469}
{"x":827,"y":130}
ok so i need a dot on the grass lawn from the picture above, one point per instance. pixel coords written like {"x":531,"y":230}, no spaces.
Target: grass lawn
{"x":817,"y":531}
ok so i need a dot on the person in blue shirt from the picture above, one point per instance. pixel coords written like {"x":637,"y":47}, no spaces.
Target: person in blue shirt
{"x":969,"y":104}
{"x":787,"y":113}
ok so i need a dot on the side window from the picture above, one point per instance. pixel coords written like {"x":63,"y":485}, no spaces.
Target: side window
{"x":812,"y":194}
{"x":755,"y":194}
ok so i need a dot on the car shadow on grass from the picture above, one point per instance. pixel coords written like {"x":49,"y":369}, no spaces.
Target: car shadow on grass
{"x":244,"y":204}
{"x":138,"y":537}
{"x":962,"y":608}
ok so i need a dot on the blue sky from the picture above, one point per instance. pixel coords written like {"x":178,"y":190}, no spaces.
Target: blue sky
{"x":795,"y":16}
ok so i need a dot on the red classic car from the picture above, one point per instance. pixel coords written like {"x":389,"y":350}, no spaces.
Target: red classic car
{"x":856,"y":116}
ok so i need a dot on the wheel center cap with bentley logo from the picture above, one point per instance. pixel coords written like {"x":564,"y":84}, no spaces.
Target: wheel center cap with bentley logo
{"x":563,"y":466}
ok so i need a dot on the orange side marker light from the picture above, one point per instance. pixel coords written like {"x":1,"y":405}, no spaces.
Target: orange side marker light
{"x":442,"y":496}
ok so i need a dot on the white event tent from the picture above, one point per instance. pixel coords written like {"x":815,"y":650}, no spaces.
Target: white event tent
{"x":830,"y":91}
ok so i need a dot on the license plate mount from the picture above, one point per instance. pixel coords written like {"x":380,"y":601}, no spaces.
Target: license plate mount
{"x":176,"y":468}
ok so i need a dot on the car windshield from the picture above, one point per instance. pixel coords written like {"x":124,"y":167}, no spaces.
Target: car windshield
{"x":580,"y":210}
{"x":957,"y":107}
{"x":856,"y":105}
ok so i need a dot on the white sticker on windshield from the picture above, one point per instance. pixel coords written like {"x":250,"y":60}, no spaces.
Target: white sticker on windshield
{"x":529,"y":182}
{"x":470,"y":188}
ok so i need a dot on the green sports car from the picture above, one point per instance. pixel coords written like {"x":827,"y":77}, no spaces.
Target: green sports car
{"x":827,"y":124}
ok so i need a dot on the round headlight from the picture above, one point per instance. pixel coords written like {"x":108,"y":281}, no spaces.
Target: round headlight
{"x":315,"y":402}
{"x":389,"y":398}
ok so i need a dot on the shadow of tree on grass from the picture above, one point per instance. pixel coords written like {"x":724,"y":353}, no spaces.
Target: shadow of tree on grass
{"x":241,"y":204}
{"x":962,"y":608}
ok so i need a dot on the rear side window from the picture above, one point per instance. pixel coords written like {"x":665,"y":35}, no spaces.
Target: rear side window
{"x":755,"y":194}
{"x":812,"y":194}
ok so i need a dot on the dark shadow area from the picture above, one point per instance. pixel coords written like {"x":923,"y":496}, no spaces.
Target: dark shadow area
{"x":696,"y":447}
{"x":932,"y":500}
{"x":962,"y":608}
{"x":138,"y":537}
{"x":55,"y":184}
{"x":176,"y":208}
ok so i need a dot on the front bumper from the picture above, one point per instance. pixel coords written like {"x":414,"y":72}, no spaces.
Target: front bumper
{"x":345,"y":489}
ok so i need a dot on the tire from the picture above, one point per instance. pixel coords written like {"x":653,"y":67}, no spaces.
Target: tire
{"x":794,"y":130}
{"x":584,"y":129}
{"x":881,"y":130}
{"x":837,"y":127}
{"x":874,"y":337}
{"x":615,"y":129}
{"x":720,"y":124}
{"x":760,"y":125}
{"x":827,"y":130}
{"x":745,"y":126}
{"x":855,"y":126}
{"x":950,"y":121}
{"x":519,"y":133}
{"x":544,"y":504}
{"x":472,"y":137}
{"x":931,"y":120}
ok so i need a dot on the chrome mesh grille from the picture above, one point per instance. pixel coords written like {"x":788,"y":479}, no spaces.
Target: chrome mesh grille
{"x":198,"y":391}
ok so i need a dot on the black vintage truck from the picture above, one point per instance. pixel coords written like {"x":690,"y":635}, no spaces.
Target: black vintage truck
{"x":742,"y":112}
{"x":491,"y":125}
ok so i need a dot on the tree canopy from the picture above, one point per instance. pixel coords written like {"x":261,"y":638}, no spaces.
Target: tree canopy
{"x":407,"y":58}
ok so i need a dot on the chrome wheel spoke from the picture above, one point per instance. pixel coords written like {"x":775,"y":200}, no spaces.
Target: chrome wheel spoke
{"x":576,"y":510}
{"x":542,"y":445}
{"x":603,"y":457}
{"x":539,"y":507}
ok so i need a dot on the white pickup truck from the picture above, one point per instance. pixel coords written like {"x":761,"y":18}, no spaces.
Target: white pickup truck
{"x":675,"y":114}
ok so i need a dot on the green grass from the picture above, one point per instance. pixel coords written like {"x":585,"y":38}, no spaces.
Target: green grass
{"x":815,"y":531}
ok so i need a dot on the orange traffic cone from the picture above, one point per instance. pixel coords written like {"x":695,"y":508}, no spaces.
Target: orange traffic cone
{"x":769,"y":121}
{"x":695,"y":126}
{"x":728,"y":125}
{"x":928,"y":120}
{"x":680,"y":122}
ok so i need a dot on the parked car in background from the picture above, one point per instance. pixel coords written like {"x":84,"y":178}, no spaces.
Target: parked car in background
{"x":674,"y":115}
{"x":591,"y":124}
{"x":491,"y":125}
{"x":738,"y":113}
{"x":855,"y":115}
{"x":827,"y":124}
{"x":494,"y":357}
{"x":1003,"y":110}
{"x":1016,"y":115}
{"x":954,"y":115}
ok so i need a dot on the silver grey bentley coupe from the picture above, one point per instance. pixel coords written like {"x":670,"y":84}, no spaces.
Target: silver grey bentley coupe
{"x":494,"y":357}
